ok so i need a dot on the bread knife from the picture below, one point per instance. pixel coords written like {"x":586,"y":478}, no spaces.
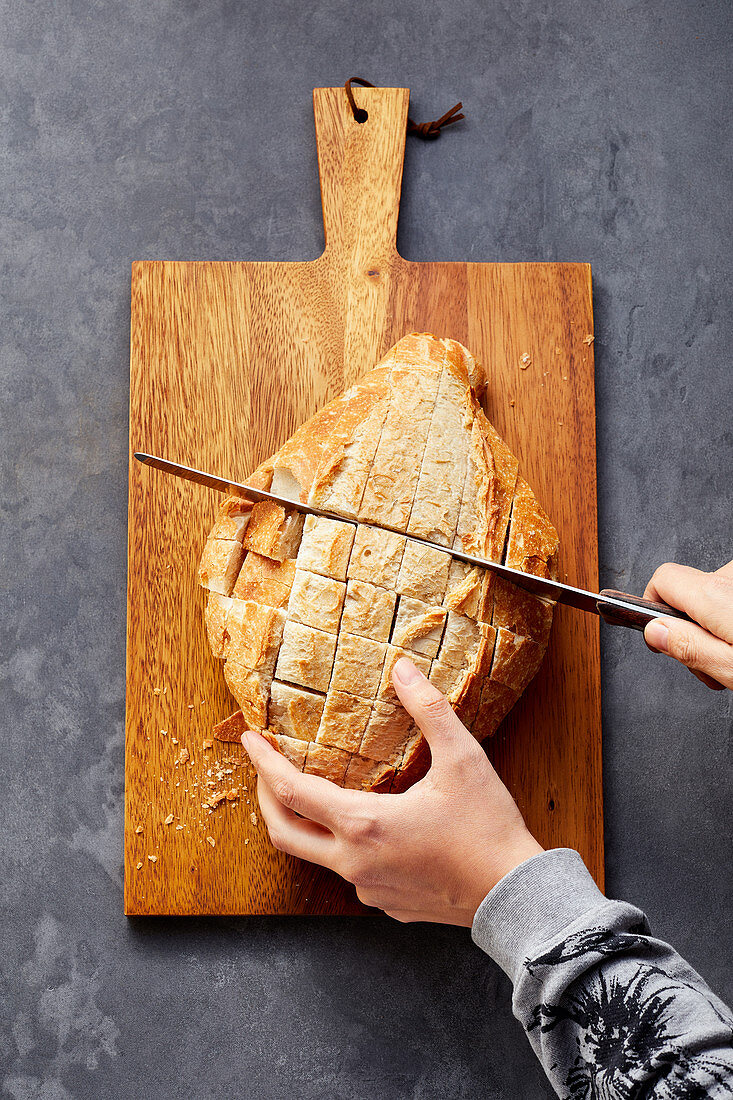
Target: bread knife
{"x":617,"y":608}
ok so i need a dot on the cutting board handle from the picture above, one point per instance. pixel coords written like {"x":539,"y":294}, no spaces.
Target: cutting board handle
{"x":360,"y":166}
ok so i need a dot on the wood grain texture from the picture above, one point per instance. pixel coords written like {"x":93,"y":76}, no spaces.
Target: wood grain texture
{"x":226,"y":360}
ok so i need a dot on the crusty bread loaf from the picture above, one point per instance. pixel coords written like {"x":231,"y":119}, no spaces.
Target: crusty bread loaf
{"x":311,"y":617}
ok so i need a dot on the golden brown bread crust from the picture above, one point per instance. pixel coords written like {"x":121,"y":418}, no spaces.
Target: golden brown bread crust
{"x":310,"y":621}
{"x":231,"y":729}
{"x":265,"y":581}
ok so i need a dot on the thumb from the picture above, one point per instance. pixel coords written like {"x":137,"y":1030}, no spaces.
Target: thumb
{"x":443,"y":731}
{"x":710,"y":658}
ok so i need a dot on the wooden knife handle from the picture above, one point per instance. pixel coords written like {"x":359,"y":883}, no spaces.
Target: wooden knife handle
{"x":646,"y":610}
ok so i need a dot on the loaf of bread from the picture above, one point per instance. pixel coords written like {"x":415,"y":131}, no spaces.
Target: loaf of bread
{"x":310,"y":616}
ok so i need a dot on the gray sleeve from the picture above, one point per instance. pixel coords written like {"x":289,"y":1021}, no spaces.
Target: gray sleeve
{"x":609,"y":1010}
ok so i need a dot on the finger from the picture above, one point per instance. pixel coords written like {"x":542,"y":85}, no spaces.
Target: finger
{"x":443,"y":731}
{"x":694,"y":647}
{"x":705,"y":597}
{"x":707,"y":680}
{"x":701,"y":676}
{"x":309,"y":795}
{"x":293,"y":834}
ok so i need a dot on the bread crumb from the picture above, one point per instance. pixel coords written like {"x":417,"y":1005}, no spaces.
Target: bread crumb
{"x":588,"y":339}
{"x":525,"y":361}
{"x":139,"y":866}
{"x":168,"y":820}
{"x":183,"y":757}
{"x":164,"y":733}
{"x":153,"y":859}
{"x":231,"y":795}
{"x":160,"y":691}
{"x":207,"y":745}
{"x":253,"y":818}
{"x":246,"y":840}
{"x":138,"y":828}
{"x":210,"y":840}
{"x":190,"y":706}
{"x":178,"y":827}
{"x":512,"y":404}
{"x":174,"y":740}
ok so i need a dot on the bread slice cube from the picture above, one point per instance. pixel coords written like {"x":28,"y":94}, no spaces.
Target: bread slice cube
{"x":413,"y":765}
{"x":390,"y":487}
{"x":463,"y":686}
{"x":273,"y":532}
{"x":264,"y":580}
{"x":447,"y":678}
{"x":533,"y":542}
{"x":386,"y":733}
{"x":255,"y":632}
{"x":521,"y":612}
{"x":347,"y":461}
{"x":376,"y":556}
{"x":368,"y":610}
{"x":496,"y":701}
{"x":219,"y":565}
{"x":469,"y":591}
{"x":251,"y":689}
{"x":328,"y":762}
{"x":461,"y":640}
{"x":344,"y":720}
{"x":306,"y":656}
{"x":364,"y":774}
{"x":436,"y":506}
{"x":516,"y":660}
{"x":217,"y":608}
{"x":418,"y":626}
{"x":316,"y":601}
{"x":291,"y":748}
{"x":488,"y":491}
{"x":325,"y":547}
{"x":423,"y":573}
{"x":358,"y":666}
{"x":294,"y":712}
{"x":386,"y":692}
{"x":232,"y":519}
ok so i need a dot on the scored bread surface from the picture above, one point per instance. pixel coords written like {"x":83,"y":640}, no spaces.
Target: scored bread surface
{"x":311,"y":615}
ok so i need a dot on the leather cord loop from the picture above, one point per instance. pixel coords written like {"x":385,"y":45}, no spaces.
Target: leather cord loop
{"x":428,"y":131}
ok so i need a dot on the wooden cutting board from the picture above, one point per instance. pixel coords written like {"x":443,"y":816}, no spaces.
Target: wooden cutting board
{"x":227,"y":359}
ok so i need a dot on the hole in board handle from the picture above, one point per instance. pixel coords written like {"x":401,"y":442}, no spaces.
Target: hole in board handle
{"x":361,"y":115}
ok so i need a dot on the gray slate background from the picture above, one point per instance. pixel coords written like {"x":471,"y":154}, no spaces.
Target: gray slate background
{"x":135,"y":130}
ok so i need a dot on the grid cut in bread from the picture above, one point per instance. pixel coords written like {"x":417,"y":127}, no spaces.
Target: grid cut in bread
{"x":311,"y":616}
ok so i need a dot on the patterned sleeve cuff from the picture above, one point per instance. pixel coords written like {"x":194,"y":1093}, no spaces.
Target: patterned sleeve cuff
{"x":532,"y":904}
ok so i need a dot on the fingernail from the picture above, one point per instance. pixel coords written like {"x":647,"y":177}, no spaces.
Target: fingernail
{"x":657,"y":636}
{"x":406,"y":673}
{"x":245,"y":740}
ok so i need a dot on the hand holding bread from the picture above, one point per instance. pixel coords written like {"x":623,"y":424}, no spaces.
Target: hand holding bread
{"x":429,"y":854}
